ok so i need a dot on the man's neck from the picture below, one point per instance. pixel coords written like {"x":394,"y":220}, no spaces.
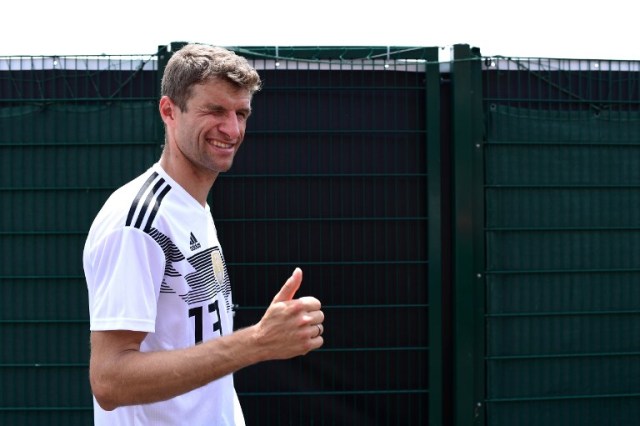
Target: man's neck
{"x":196,"y":182}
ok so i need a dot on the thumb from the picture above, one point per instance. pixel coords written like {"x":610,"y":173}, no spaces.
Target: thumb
{"x":289,"y":288}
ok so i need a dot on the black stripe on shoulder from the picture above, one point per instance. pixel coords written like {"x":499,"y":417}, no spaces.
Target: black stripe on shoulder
{"x":147,"y":201}
{"x":154,"y":211}
{"x":136,"y":200}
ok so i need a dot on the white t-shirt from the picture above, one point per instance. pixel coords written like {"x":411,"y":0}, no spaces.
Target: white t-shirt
{"x":153,"y":263}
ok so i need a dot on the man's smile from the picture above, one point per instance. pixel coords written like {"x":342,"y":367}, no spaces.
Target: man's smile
{"x":220,"y":144}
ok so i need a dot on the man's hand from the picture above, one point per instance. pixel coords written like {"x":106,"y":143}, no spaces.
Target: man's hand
{"x":291,"y":327}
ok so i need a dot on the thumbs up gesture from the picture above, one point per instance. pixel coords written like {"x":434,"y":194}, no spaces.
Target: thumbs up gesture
{"x":291,"y":327}
{"x":290,"y":288}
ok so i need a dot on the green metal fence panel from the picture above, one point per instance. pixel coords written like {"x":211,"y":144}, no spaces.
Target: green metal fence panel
{"x":562,"y":187}
{"x":71,"y":130}
{"x":332,"y":178}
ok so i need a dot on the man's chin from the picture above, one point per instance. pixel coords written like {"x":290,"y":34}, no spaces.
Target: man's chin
{"x":224,"y":169}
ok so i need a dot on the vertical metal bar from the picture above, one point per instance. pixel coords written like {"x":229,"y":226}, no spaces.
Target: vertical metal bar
{"x":434,"y":232}
{"x":467,"y":363}
{"x":479,"y":262}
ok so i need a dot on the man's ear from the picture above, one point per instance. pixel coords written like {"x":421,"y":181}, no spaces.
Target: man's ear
{"x":167,"y":109}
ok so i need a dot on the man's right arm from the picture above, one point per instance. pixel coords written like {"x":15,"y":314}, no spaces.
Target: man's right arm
{"x":121,"y":374}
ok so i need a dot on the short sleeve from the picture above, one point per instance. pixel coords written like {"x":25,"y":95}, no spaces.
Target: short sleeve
{"x":124,"y":274}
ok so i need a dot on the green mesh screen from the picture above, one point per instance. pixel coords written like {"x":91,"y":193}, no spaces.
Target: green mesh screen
{"x":562,"y":168}
{"x":332,"y":178}
{"x":71,"y":130}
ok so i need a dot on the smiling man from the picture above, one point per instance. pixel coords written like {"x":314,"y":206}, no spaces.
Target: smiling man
{"x":163,"y":346}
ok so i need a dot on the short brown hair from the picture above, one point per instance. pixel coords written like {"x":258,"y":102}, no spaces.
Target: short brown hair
{"x":197,"y":63}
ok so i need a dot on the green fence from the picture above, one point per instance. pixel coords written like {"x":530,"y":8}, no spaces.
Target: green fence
{"x":562,"y":193}
{"x":331,"y":178}
{"x":71,"y":130}
{"x":471,"y":227}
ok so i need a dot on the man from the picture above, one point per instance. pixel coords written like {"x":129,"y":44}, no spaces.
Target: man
{"x":163,"y":348}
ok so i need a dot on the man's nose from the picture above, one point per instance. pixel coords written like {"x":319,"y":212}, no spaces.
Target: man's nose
{"x":230,"y":126}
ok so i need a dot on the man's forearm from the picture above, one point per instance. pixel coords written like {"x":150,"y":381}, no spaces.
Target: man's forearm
{"x":132,"y":377}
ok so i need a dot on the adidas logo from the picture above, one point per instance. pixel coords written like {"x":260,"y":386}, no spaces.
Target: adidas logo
{"x":195,"y":245}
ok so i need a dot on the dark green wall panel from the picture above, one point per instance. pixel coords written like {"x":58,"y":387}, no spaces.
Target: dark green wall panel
{"x":52,"y":387}
{"x":43,"y":298}
{"x":562,"y":185}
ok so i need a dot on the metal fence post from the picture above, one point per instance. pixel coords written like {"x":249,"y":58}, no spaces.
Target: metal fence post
{"x":468,"y":276}
{"x":436,"y":388}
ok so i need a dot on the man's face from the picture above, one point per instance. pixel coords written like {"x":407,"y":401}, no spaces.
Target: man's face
{"x":211,"y":129}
